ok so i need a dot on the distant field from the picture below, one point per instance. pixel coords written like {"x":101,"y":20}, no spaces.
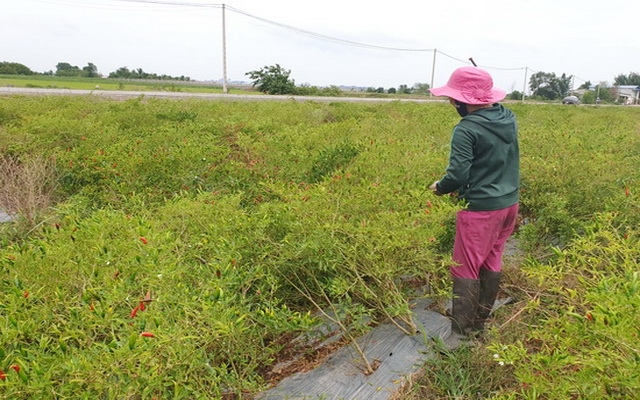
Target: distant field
{"x":55,"y":82}
{"x":75,"y":83}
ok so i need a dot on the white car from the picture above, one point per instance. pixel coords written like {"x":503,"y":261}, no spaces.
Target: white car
{"x":571,"y":100}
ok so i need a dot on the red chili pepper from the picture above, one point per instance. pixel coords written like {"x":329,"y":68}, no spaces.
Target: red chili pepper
{"x":589,"y":316}
{"x":143,"y":240}
{"x":147,"y":334}
{"x":141,"y":306}
{"x":626,"y":191}
{"x":25,"y":294}
{"x":3,"y":376}
{"x":134,"y":312}
{"x":15,"y":367}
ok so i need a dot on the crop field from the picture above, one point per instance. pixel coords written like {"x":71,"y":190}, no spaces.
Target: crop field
{"x":57,"y":82}
{"x":174,"y":249}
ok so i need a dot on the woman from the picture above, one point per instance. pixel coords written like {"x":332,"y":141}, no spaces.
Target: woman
{"x":484,"y":170}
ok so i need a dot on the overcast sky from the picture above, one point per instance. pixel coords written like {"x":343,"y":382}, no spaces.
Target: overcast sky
{"x":330,"y":42}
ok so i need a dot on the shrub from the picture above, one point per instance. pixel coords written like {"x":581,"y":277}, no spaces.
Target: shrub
{"x":224,"y":211}
{"x":27,"y":187}
{"x":588,"y":305}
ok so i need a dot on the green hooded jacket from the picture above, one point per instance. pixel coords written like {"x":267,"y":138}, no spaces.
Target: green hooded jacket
{"x":484,"y":163}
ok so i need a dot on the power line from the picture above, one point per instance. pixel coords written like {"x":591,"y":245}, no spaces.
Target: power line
{"x":291,"y":28}
{"x":300,"y":31}
{"x":281,"y":25}
{"x":323,"y":37}
{"x":106,"y":6}
{"x":503,"y":68}
{"x":172,"y":3}
{"x":453,"y":58}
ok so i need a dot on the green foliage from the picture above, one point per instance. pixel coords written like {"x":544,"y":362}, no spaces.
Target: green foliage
{"x":585,"y":85}
{"x":139,"y":73}
{"x":376,"y":90}
{"x":603,"y":93}
{"x":467,"y":373}
{"x":10,"y":68}
{"x":332,"y":91}
{"x":588,"y":302}
{"x":581,"y":165}
{"x":632,"y":79}
{"x":589,"y":97}
{"x":239,"y":217}
{"x":549,"y":86}
{"x":213,"y":213}
{"x":421,"y":88}
{"x":82,"y":308}
{"x":90,"y":71}
{"x":515,"y":95}
{"x":273,"y":80}
{"x":332,"y":159}
{"x":404,"y":89}
{"x":66,"y":69}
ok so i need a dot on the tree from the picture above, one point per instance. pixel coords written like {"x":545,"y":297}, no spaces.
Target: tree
{"x":548,"y":86}
{"x":138,"y":73}
{"x":392,"y":90}
{"x":272,"y":80}
{"x":632,"y":79}
{"x":66,"y":69}
{"x":421,"y":88}
{"x":10,"y":68}
{"x":122,"y":72}
{"x":90,"y":71}
{"x":602,"y":92}
{"x":515,"y":95}
{"x":404,"y":89}
{"x":585,"y":85}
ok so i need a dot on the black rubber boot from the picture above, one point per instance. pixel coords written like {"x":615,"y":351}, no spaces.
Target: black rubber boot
{"x":464,"y":305}
{"x":489,"y":286}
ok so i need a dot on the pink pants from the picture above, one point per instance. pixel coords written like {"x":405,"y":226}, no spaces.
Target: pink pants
{"x":480,"y":239}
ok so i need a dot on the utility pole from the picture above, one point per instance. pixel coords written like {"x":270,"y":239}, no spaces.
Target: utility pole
{"x":224,"y":53}
{"x":524,"y":86}
{"x":433,"y":70}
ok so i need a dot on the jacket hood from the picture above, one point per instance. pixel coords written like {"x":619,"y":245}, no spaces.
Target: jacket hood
{"x":497,"y":120}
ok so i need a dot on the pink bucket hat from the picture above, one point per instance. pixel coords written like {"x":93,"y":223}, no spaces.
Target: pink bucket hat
{"x":470,"y":85}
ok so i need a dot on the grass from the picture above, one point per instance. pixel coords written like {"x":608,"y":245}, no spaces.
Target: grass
{"x":203,"y":212}
{"x":48,"y":82}
{"x":77,"y":83}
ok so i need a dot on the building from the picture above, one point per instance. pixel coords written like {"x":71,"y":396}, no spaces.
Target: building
{"x":628,"y":94}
